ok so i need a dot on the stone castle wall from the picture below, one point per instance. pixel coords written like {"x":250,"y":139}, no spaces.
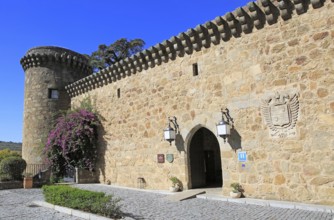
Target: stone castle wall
{"x":288,"y":56}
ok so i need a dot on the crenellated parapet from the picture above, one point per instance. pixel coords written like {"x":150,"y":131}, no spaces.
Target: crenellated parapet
{"x":255,"y":15}
{"x":41,"y":56}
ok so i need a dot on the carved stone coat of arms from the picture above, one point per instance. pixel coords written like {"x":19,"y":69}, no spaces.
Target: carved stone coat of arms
{"x":280,"y":113}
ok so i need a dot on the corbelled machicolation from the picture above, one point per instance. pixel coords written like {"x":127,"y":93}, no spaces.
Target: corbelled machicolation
{"x":39,"y":56}
{"x":222,"y":28}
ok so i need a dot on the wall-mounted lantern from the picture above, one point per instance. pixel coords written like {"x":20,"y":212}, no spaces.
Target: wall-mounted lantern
{"x":169,"y":132}
{"x":224,"y":127}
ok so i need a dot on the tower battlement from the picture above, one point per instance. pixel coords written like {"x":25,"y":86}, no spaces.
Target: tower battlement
{"x":41,"y":56}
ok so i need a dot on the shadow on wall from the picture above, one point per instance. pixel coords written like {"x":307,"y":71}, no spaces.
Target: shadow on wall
{"x":179,"y":143}
{"x":235,"y":140}
{"x":101,"y":151}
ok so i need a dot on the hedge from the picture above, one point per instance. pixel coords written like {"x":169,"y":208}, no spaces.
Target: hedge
{"x":11,"y":168}
{"x":84,"y":200}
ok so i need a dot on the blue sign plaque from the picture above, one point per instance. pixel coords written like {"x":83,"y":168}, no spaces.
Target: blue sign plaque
{"x":170,"y":158}
{"x":242,"y":156}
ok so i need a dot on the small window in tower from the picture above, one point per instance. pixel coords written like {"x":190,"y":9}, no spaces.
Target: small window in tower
{"x":195,"y":69}
{"x":53,"y":94}
{"x":119,"y":93}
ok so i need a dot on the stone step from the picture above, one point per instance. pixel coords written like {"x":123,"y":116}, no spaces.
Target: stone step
{"x":179,"y":196}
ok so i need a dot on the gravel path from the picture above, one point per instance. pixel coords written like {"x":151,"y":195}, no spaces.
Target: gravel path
{"x":16,"y":204}
{"x":148,"y":205}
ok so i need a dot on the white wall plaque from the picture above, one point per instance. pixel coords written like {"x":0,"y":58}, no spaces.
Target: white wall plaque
{"x":280,"y":113}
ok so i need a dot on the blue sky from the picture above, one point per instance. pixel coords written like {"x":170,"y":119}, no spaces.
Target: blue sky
{"x":81,"y":26}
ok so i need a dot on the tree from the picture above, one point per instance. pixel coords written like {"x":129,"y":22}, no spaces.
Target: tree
{"x":108,"y":55}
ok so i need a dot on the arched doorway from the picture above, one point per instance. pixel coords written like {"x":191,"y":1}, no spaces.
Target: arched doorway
{"x":204,"y":159}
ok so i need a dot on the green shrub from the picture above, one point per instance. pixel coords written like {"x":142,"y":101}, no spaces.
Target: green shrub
{"x":5,"y":177}
{"x":8,"y":153}
{"x":13,"y":167}
{"x":236,"y":187}
{"x":88,"y":201}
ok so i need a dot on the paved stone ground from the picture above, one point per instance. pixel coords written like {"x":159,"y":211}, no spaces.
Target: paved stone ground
{"x":145,"y":205}
{"x":16,"y":204}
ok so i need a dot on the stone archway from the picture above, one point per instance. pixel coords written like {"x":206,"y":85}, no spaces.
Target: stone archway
{"x":204,"y":160}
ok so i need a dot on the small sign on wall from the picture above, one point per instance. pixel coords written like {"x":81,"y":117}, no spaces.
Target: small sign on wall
{"x":161,"y":158}
{"x":242,"y":156}
{"x":170,"y":158}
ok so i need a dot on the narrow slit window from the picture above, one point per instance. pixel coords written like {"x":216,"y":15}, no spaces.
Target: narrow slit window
{"x":53,"y":94}
{"x":119,"y":93}
{"x":195,"y":69}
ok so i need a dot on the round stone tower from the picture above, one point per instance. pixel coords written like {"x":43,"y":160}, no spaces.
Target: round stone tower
{"x":47,"y":71}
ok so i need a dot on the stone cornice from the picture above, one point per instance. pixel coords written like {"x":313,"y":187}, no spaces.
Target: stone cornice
{"x":255,"y":15}
{"x":40,"y":56}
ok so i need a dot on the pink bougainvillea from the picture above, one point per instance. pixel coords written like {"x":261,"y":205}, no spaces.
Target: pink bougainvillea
{"x":72,"y":142}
